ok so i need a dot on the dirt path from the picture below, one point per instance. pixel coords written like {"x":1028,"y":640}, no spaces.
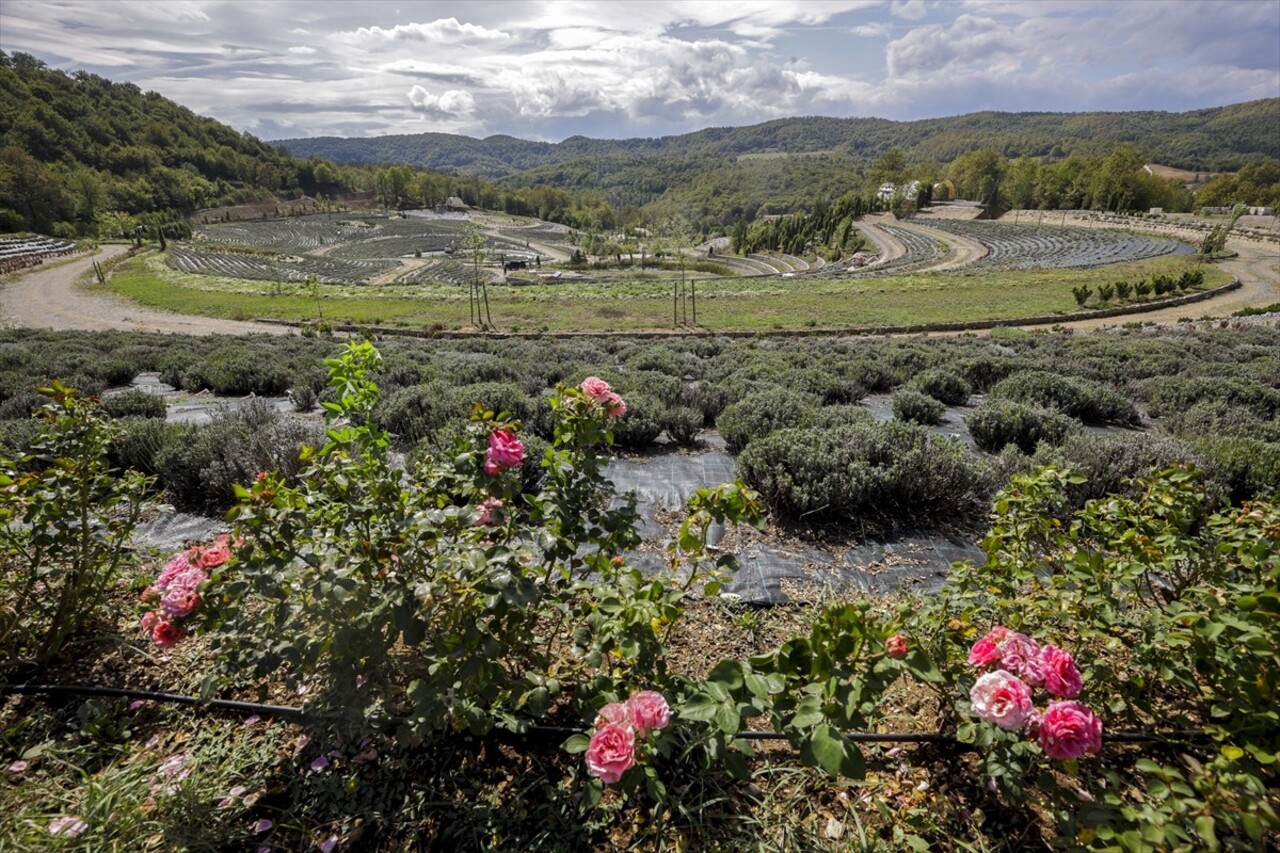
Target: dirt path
{"x":52,"y":297}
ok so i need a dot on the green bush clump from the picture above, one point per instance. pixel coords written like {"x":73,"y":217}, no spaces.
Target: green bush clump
{"x":683,"y":425}
{"x":200,"y":466}
{"x":413,"y":413}
{"x":759,"y":414}
{"x":945,"y":386}
{"x":20,"y":406}
{"x":643,"y":423}
{"x":915,"y":407}
{"x":138,"y":440}
{"x":998,"y":423}
{"x":984,"y":371}
{"x":1220,"y":417}
{"x":878,"y":470}
{"x":236,"y":371}
{"x":704,"y":397}
{"x":1244,"y":468}
{"x":494,"y":396}
{"x":53,"y":585}
{"x":1083,"y":399}
{"x":830,"y":417}
{"x":1112,"y":464}
{"x":134,"y":403}
{"x":1172,"y":394}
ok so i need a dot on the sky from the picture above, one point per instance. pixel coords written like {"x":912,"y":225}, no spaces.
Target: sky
{"x":550,"y":69}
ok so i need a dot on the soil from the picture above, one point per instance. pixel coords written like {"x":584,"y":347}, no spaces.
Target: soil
{"x":55,"y":296}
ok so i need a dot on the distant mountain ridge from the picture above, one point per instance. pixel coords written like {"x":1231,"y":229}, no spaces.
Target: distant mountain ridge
{"x":1214,"y":139}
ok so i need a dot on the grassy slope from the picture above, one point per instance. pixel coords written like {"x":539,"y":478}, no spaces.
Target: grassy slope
{"x":724,"y":305}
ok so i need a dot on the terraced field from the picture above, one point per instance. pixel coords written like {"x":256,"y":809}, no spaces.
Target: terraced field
{"x":276,"y":267}
{"x":1025,"y":247}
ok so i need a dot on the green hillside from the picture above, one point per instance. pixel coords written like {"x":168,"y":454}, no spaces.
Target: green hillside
{"x":1217,"y":139}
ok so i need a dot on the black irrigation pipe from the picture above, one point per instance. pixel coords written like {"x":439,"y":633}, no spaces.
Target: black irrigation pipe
{"x":298,"y":714}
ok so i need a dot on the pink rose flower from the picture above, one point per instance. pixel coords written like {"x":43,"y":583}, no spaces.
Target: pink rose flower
{"x":1069,"y":730}
{"x":615,"y":407}
{"x":649,"y":711}
{"x":615,"y":713}
{"x":1002,"y":698}
{"x":611,"y":752}
{"x":181,"y":602}
{"x":896,"y":646}
{"x":596,"y":389}
{"x":149,"y":620}
{"x":166,"y":634}
{"x":489,"y":511}
{"x":987,"y":650}
{"x":505,"y":451}
{"x":176,"y":567}
{"x":1061,"y":678}
{"x":215,"y":555}
{"x":1019,"y":654}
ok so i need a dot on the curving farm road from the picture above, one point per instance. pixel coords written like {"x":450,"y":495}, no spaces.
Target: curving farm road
{"x":56,"y":297}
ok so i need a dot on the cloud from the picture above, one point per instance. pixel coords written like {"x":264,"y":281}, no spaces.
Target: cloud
{"x":548,"y":68}
{"x":442,"y":31}
{"x":876,"y":30}
{"x":911,"y":10}
{"x":454,"y":103}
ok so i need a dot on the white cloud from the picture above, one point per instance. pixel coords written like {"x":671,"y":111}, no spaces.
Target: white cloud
{"x":871,"y":31}
{"x":911,"y":10}
{"x":547,"y":68}
{"x":442,"y":31}
{"x":454,"y":103}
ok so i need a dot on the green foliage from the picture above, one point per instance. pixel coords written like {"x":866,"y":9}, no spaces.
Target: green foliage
{"x":759,"y":414}
{"x":870,"y":470}
{"x":916,"y":407}
{"x":943,"y":385}
{"x":65,"y":521}
{"x":134,"y":403}
{"x":200,"y":466}
{"x":999,"y":423}
{"x":1173,"y":608}
{"x":683,"y":425}
{"x":1087,"y":400}
{"x":645,"y":419}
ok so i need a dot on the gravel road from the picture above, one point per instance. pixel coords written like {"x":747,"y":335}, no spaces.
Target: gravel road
{"x":56,"y":296}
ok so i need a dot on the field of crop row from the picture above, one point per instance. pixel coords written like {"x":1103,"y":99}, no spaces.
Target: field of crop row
{"x":1020,"y":247}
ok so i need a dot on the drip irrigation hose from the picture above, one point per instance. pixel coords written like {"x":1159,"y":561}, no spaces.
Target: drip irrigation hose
{"x":1183,"y":736}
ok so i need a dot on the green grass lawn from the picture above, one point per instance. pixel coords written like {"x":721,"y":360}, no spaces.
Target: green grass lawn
{"x":723,"y":305}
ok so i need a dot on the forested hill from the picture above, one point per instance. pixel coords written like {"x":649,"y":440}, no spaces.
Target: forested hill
{"x":73,"y":146}
{"x":1216,"y":139}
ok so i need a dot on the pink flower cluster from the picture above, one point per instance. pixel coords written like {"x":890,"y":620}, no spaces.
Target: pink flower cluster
{"x":177,"y":590}
{"x":600,"y":394}
{"x":1066,"y":729}
{"x":505,"y":451}
{"x":490,"y":512}
{"x":611,"y":751}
